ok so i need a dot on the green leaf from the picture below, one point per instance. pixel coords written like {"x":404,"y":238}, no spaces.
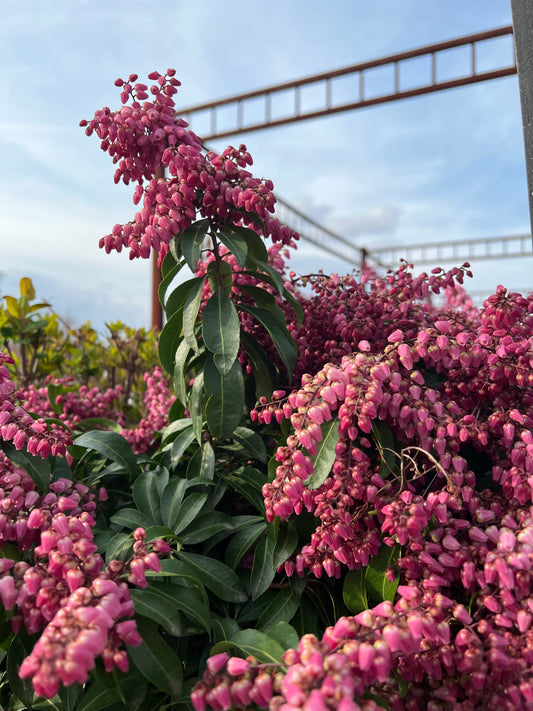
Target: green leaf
{"x":131,"y":518}
{"x":69,"y":696}
{"x":295,"y":306}
{"x":221,"y":330}
{"x":188,"y":511}
{"x":282,"y":609}
{"x":236,"y":243}
{"x":263,"y":571}
{"x":263,"y":266}
{"x":169,"y":341}
{"x":255,"y":243}
{"x":180,"y":445}
{"x":157,"y":602}
{"x":286,"y":543}
{"x":180,"y":365}
{"x":156,"y":660}
{"x":171,"y":499}
{"x":241,"y":543}
{"x":378,"y":586}
{"x":190,"y":313}
{"x":252,"y":443}
{"x":202,"y":463}
{"x":192,"y":240}
{"x":259,"y":645}
{"x":99,"y":696}
{"x":119,"y":547}
{"x":225,"y":404}
{"x":19,"y":649}
{"x":223,"y":628}
{"x":112,"y":446}
{"x":262,"y":368}
{"x":325,"y":456}
{"x":387,"y":448}
{"x":205,"y":526}
{"x":147,"y":496}
{"x":169,"y":270}
{"x":281,"y":338}
{"x":265,"y":300}
{"x":196,"y":406}
{"x":37,"y":468}
{"x":249,"y":482}
{"x":216,"y":576}
{"x":174,"y":428}
{"x":285,"y":634}
{"x":354,"y":591}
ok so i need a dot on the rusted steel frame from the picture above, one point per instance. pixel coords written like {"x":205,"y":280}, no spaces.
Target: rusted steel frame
{"x":451,"y":84}
{"x":362,"y":66}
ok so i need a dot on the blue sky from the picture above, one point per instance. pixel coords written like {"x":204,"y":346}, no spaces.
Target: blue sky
{"x":444,"y":166}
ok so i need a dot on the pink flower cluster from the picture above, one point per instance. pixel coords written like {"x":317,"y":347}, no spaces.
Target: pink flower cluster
{"x":357,"y":655}
{"x":20,"y":428}
{"x":82,"y":603}
{"x":158,"y":400}
{"x":147,"y":135}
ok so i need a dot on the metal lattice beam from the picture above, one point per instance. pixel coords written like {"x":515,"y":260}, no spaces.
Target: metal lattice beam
{"x":457,"y":251}
{"x":362,"y":95}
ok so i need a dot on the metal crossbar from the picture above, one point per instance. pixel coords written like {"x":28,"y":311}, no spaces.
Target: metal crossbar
{"x":461,"y":250}
{"x":235,"y":107}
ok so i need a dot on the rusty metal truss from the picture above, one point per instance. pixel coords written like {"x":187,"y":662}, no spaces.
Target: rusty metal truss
{"x":467,"y":250}
{"x":286,"y":103}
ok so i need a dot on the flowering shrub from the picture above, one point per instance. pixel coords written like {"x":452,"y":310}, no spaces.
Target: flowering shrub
{"x":333,"y":511}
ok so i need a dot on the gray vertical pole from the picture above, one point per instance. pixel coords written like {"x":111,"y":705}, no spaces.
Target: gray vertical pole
{"x":522,"y":11}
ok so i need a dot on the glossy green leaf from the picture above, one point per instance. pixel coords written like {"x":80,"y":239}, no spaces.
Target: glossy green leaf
{"x":190,"y":313}
{"x":354,"y":591}
{"x":284,"y":343}
{"x":263,"y":571}
{"x":169,"y":270}
{"x":37,"y":468}
{"x":259,"y":645}
{"x":180,"y":371}
{"x":264,"y":266}
{"x":178,"y":297}
{"x":156,"y":660}
{"x":119,"y":547}
{"x":282,"y":609}
{"x":131,"y":518}
{"x":112,"y":446}
{"x":171,"y":499}
{"x":174,"y":428}
{"x":249,"y":482}
{"x":202,"y":463}
{"x":241,"y":542}
{"x":236,"y":243}
{"x":19,"y":649}
{"x":221,"y":331}
{"x":285,"y":634}
{"x":216,"y":576}
{"x":251,"y":442}
{"x":157,"y":602}
{"x":169,"y":340}
{"x":286,"y":542}
{"x":265,"y":300}
{"x":378,"y":586}
{"x":192,"y":240}
{"x":189,"y":509}
{"x":180,"y":445}
{"x":147,"y":496}
{"x":325,"y":456}
{"x":69,"y":696}
{"x":295,"y":306}
{"x":195,"y":408}
{"x":263,"y":371}
{"x":254,"y":242}
{"x":206,"y":526}
{"x":225,"y":404}
{"x":101,"y":695}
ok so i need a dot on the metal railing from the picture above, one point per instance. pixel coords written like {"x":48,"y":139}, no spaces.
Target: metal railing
{"x":361,"y":93}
